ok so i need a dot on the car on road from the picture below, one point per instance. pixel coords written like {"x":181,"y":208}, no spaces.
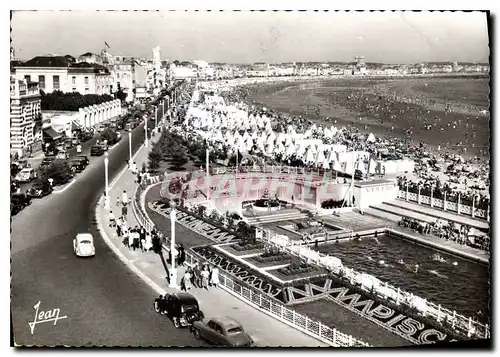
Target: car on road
{"x":128,"y":127}
{"x":83,"y":158}
{"x":83,"y":245}
{"x":62,"y":155}
{"x":48,"y":160}
{"x":27,"y":174}
{"x":78,"y":164}
{"x":182,"y":308}
{"x":40,"y":188}
{"x":96,"y":150}
{"x":221,"y":331}
{"x":21,"y":200}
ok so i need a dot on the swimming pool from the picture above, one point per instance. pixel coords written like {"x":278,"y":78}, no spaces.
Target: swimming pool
{"x":463,"y":286}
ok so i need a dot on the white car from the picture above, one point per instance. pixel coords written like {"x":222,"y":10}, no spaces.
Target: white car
{"x":83,"y":245}
{"x":27,"y":174}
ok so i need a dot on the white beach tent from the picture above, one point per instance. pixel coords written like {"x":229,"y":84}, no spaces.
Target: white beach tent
{"x":371,"y":138}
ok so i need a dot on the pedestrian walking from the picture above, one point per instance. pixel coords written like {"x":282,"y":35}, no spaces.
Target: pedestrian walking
{"x":214,"y":276}
{"x":187,"y":280}
{"x":139,"y":178}
{"x":142,"y":238}
{"x":117,"y":201}
{"x":130,"y":238}
{"x":182,"y":255}
{"x":124,"y":198}
{"x":112,"y":220}
{"x":124,"y":212}
{"x":196,"y":276}
{"x":205,"y":275}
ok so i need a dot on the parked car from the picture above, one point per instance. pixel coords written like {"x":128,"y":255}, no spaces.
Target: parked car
{"x":78,"y":165}
{"x":128,"y":127}
{"x":104,"y":145}
{"x":222,"y":331}
{"x":47,"y":161}
{"x":20,"y":199}
{"x":83,"y":158}
{"x":182,"y":308}
{"x":62,"y":155}
{"x":40,"y":188}
{"x":15,"y":208}
{"x":96,"y":150}
{"x":27,"y":174}
{"x":83,"y":245}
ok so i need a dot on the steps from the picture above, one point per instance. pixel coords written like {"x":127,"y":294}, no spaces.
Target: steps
{"x":276,"y":217}
{"x":438,"y":213}
{"x":401,"y":212}
{"x":382,"y":214}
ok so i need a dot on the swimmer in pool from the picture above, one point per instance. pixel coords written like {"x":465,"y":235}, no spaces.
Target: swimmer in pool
{"x":381,"y":262}
{"x":416,"y":268}
{"x":401,"y":261}
{"x":455,"y":263}
{"x":369,"y":258}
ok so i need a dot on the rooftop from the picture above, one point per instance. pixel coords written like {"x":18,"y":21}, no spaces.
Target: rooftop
{"x":47,"y":61}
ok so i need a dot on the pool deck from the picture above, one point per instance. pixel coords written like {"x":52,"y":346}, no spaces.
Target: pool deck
{"x":463,"y":251}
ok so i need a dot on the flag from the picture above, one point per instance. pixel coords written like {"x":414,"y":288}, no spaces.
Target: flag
{"x":106,"y":44}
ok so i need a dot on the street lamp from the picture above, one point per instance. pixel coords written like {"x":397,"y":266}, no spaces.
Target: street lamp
{"x":173,"y":270}
{"x":130,"y":150}
{"x":156,"y":117}
{"x":208,"y":172}
{"x":106,"y":179}
{"x":146,"y":131}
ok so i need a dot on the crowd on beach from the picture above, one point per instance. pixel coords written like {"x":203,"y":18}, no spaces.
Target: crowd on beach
{"x":468,"y":175}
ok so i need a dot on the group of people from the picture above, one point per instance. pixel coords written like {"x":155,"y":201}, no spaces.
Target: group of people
{"x":203,"y":277}
{"x":458,"y":233}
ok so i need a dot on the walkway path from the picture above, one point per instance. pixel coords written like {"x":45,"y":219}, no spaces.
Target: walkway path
{"x":265,"y":330}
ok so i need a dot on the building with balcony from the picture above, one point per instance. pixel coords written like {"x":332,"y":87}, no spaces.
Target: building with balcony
{"x":25,"y":117}
{"x":62,"y":73}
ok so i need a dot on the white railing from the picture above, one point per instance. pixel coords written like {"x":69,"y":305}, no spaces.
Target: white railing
{"x":280,"y":312}
{"x":439,"y":203}
{"x":383,"y":289}
{"x":263,"y":303}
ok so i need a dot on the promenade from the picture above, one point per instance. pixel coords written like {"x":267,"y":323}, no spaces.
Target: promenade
{"x":265,"y":330}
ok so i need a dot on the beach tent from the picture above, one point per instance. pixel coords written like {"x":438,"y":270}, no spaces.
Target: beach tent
{"x":326,"y":165}
{"x":371,"y":138}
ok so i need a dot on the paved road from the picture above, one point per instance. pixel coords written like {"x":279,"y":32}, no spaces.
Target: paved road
{"x":104,"y":302}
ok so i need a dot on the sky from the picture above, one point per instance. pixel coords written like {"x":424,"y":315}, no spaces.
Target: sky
{"x":247,"y":37}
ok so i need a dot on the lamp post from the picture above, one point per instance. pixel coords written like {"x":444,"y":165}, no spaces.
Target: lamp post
{"x":106,"y":179}
{"x":173,"y":270}
{"x":146,"y":131}
{"x":208,"y":172}
{"x":156,"y":117}
{"x":130,"y":150}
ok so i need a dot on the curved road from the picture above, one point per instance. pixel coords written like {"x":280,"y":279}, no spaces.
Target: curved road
{"x":105,"y":303}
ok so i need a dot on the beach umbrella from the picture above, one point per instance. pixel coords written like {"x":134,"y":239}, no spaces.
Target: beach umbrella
{"x":326,"y":164}
{"x":371,"y":138}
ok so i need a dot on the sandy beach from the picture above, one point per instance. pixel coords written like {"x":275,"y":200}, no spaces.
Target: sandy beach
{"x":440,"y":112}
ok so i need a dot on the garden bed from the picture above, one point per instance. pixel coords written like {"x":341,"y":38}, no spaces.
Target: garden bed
{"x":243,"y":250}
{"x":297,"y":270}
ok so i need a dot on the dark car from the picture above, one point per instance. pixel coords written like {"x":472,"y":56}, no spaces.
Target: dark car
{"x":182,"y":308}
{"x":96,"y":150}
{"x":21,"y":200}
{"x":222,"y":331}
{"x":40,"y":188}
{"x":47,"y":161}
{"x":79,"y":164}
{"x":83,"y":158}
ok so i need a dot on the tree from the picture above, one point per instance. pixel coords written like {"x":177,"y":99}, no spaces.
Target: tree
{"x":110,"y":135}
{"x":155,"y":157}
{"x":121,"y":95}
{"x":178,"y":158}
{"x":59,"y":170}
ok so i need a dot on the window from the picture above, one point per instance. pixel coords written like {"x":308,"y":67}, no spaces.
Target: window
{"x":41,"y":82}
{"x":86,"y":90}
{"x":73,"y":80}
{"x":55,"y":79}
{"x":86,"y":81}
{"x":74,"y":89}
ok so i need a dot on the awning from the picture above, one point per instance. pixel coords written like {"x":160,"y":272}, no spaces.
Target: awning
{"x":75,"y":126}
{"x":51,"y":133}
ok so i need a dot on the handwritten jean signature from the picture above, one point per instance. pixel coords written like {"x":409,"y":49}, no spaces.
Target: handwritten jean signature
{"x":45,"y":316}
